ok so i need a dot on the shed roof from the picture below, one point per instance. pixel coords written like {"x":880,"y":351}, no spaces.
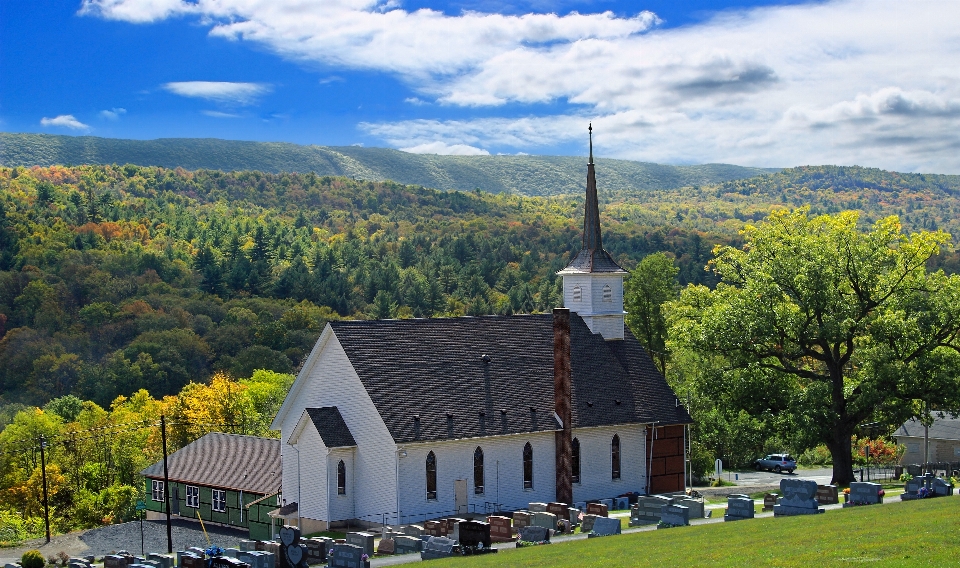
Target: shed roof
{"x":225,"y":461}
{"x":941,"y":429}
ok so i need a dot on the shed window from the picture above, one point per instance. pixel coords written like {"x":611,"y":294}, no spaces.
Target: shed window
{"x":431,"y":476}
{"x":157,"y":487}
{"x":193,"y":496}
{"x":615,"y":457}
{"x":607,"y":293}
{"x":575,"y":459}
{"x":341,"y":478}
{"x":528,"y":466}
{"x":219,"y":500}
{"x":478,"y":471}
{"x":577,"y":294}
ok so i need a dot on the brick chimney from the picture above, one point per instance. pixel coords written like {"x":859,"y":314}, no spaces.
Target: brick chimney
{"x":562,"y":404}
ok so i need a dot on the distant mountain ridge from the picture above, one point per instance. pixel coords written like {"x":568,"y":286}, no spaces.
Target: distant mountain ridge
{"x":524,"y":175}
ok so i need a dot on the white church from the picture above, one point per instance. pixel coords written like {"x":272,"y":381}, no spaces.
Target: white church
{"x":400,"y":421}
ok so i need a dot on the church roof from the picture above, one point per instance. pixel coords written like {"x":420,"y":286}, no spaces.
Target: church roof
{"x":225,"y":461}
{"x":331,"y":427}
{"x":592,"y":258}
{"x":430,"y":379}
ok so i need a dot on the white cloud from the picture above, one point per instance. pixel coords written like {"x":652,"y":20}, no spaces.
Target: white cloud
{"x":219,"y":91}
{"x":112,"y":114}
{"x":841,"y":81}
{"x":64,"y":120}
{"x":218,"y":114}
{"x":446,"y":149}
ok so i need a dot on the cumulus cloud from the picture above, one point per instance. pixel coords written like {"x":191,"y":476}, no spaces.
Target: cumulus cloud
{"x":837,"y":81}
{"x":219,"y":91}
{"x":64,"y":120}
{"x":446,"y":149}
{"x":112,"y":114}
{"x":218,"y":114}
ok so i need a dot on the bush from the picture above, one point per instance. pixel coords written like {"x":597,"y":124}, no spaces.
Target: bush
{"x":818,"y":455}
{"x":32,"y":559}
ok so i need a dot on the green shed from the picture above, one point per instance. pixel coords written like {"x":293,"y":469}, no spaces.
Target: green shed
{"x":226,"y":479}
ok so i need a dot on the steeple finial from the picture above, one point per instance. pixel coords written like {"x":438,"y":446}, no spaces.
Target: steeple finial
{"x":590,"y":129}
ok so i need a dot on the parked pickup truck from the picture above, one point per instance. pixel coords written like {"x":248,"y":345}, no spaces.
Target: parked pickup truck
{"x":777,"y":463}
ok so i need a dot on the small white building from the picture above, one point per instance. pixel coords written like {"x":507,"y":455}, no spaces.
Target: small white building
{"x":399,"y":421}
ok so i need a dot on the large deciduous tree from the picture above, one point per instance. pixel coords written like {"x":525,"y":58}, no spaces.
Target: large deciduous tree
{"x":650,"y":286}
{"x":846,"y":325}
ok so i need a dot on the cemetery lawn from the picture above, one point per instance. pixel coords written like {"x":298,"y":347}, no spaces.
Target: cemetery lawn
{"x":914,"y":533}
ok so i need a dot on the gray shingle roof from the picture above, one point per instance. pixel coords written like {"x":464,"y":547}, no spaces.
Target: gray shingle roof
{"x":225,"y":461}
{"x":429,"y":381}
{"x":941,"y":429}
{"x":331,"y":427}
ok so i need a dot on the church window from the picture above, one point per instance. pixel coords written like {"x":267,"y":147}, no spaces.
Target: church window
{"x":575,"y":459}
{"x":431,"y":476}
{"x":528,"y":466}
{"x":577,"y":294}
{"x":607,"y":293}
{"x":478,"y":471}
{"x":615,"y":457}
{"x":341,"y":478}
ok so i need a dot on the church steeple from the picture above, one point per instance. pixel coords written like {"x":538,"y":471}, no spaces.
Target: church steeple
{"x":593,"y":281}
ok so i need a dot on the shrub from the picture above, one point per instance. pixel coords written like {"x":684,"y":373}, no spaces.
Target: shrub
{"x":818,"y":455}
{"x":32,"y":559}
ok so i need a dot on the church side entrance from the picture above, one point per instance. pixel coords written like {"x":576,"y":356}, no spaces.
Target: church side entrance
{"x":460,"y":495}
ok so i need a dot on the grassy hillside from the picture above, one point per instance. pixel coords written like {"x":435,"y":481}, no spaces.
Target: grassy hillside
{"x":525,"y":175}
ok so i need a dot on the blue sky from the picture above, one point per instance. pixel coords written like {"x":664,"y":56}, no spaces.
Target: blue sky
{"x":868,"y":82}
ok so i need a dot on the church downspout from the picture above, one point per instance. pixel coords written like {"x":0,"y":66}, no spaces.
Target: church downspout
{"x":562,"y":403}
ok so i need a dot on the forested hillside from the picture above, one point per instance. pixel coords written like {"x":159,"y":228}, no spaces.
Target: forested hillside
{"x":525,"y":175}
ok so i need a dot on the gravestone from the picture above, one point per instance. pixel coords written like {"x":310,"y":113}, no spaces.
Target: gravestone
{"x":413,"y":530}
{"x":317,"y":549}
{"x":407,"y":544}
{"x":604,"y":526}
{"x":290,"y":552}
{"x":248,"y":545}
{"x":362,"y":539}
{"x":198,"y":551}
{"x":231,"y":552}
{"x":675,"y":515}
{"x":500,"y":529}
{"x":574,"y":516}
{"x":190,"y":560}
{"x":608,"y":503}
{"x":165,"y":560}
{"x":437,"y":547}
{"x":386,"y":546}
{"x":475,"y":535}
{"x":565,"y":526}
{"x":434,"y":528}
{"x":347,"y":556}
{"x":561,"y":510}
{"x":257,"y":558}
{"x":521,"y":519}
{"x":451,"y":526}
{"x":647,"y":510}
{"x":695,"y":505}
{"x":534,"y":534}
{"x":599,"y":509}
{"x":739,"y":507}
{"x":227,"y":562}
{"x":586,"y":525}
{"x":827,"y":495}
{"x":545,"y":520}
{"x":115,"y":561}
{"x":941,"y":488}
{"x":864,"y":493}
{"x":769,"y":501}
{"x":537,"y":508}
{"x":621,"y":503}
{"x":582,"y":505}
{"x":153,"y":563}
{"x":799,"y":498}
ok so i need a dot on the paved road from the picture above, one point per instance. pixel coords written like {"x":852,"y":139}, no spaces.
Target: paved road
{"x":763,"y":478}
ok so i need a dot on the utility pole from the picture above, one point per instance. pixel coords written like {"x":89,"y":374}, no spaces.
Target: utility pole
{"x":166,"y":483}
{"x":926,"y":435}
{"x":43,"y":472}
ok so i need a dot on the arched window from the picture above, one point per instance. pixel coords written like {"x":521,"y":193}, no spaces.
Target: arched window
{"x":528,"y":466}
{"x":341,"y":478}
{"x":431,"y":476}
{"x":575,"y":459}
{"x":615,"y":457}
{"x":577,"y":294}
{"x":607,"y":293}
{"x":478,"y":471}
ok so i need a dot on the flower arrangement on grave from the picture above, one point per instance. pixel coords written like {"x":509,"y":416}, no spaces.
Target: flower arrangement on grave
{"x":525,"y":543}
{"x":663,"y":525}
{"x":214,"y":551}
{"x":364,"y":557}
{"x":923,"y":492}
{"x":881,"y":493}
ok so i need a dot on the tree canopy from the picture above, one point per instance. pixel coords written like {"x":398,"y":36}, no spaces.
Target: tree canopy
{"x":819,"y":326}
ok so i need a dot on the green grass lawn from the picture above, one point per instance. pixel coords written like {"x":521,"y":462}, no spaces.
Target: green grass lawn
{"x":914,"y":533}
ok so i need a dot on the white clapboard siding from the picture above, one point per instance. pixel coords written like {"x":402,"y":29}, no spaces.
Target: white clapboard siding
{"x":328,"y":379}
{"x":455,"y":461}
{"x":596,"y":480}
{"x":313,"y":473}
{"x":341,"y":506}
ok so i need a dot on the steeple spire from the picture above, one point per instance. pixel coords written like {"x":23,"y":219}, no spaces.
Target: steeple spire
{"x":591,"y":208}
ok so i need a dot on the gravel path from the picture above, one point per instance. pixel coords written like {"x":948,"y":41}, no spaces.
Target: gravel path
{"x":126,"y":536}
